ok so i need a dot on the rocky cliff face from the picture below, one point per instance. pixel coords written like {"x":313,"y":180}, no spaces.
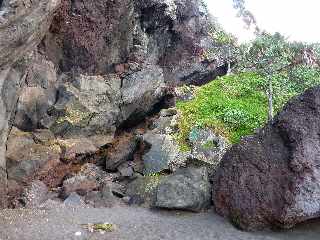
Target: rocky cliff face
{"x":22,"y":27}
{"x":100,"y":65}
{"x":115,"y":36}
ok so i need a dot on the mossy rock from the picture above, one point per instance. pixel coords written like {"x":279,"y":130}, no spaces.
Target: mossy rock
{"x":145,"y":187}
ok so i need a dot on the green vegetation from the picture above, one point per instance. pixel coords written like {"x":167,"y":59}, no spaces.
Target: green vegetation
{"x":210,"y":145}
{"x":236,"y":105}
{"x":233,"y":106}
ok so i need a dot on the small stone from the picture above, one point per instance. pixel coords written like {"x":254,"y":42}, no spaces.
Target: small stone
{"x":78,"y":146}
{"x":126,"y":199}
{"x":168,"y":112}
{"x":164,"y":154}
{"x":126,"y":170}
{"x":35,"y":194}
{"x":121,"y":151}
{"x":107,"y":195}
{"x":74,"y":200}
{"x":80,"y":184}
{"x":120,"y":68}
{"x":51,"y":204}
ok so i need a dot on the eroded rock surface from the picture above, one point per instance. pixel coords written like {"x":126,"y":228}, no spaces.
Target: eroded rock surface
{"x":22,"y":27}
{"x":101,"y":67}
{"x":272,"y":178}
{"x":186,"y":189}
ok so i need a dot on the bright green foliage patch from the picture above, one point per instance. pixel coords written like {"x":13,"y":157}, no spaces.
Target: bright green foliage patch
{"x":236,"y":105}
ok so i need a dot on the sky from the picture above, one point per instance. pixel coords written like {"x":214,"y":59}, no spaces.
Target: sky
{"x":296,"y":19}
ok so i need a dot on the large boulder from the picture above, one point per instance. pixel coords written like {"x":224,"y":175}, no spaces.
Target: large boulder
{"x":186,"y":189}
{"x":273,"y":177}
{"x":87,"y":107}
{"x":164,"y":154}
{"x":26,"y":155}
{"x":38,"y":94}
{"x":121,"y":151}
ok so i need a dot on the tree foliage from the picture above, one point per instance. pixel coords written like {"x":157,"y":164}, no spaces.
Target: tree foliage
{"x":247,"y":16}
{"x":268,"y":72}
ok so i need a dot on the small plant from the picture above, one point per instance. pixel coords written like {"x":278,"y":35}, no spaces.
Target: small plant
{"x":210,"y":145}
{"x":101,"y":227}
{"x":235,"y":117}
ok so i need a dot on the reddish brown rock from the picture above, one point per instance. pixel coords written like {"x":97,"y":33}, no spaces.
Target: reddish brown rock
{"x":273,"y":178}
{"x":121,"y":150}
{"x":80,"y":184}
{"x":25,"y":157}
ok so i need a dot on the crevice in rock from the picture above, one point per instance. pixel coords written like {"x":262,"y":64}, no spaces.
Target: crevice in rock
{"x":137,"y":118}
{"x":201,"y":78}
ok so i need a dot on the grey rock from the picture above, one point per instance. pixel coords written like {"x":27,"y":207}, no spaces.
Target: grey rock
{"x":38,"y":95}
{"x":118,"y":189}
{"x":10,"y":80}
{"x":74,"y":147}
{"x":185,"y":93}
{"x":38,"y":14}
{"x":88,"y":108}
{"x":43,"y":136}
{"x":141,"y":91}
{"x":80,"y":184}
{"x":166,"y":123}
{"x":171,"y":34}
{"x":74,"y":201}
{"x":126,"y":199}
{"x":35,"y":194}
{"x":186,"y":189}
{"x":208,"y":147}
{"x":93,"y":171}
{"x":14,"y":46}
{"x":272,"y":178}
{"x":107,"y":196}
{"x":126,"y":170}
{"x":143,"y":189}
{"x":168,"y":112}
{"x":164,"y":154}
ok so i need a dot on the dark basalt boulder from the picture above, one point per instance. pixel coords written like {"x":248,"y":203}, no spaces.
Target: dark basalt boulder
{"x":186,"y":189}
{"x":273,"y":178}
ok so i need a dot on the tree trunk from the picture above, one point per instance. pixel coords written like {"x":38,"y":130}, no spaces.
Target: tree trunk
{"x":229,"y":62}
{"x":270,"y":99}
{"x":229,"y":68}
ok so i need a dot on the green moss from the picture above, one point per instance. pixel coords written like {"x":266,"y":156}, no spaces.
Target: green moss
{"x":233,"y":106}
{"x":210,"y":145}
{"x":75,"y":117}
{"x":236,"y":105}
